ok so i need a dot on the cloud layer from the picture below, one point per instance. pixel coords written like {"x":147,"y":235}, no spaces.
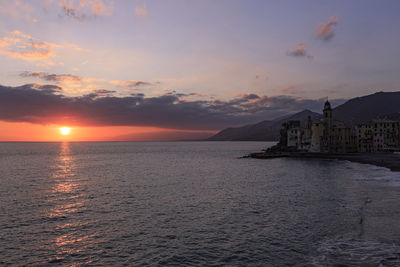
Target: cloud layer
{"x":44,"y":104}
{"x":78,"y":82}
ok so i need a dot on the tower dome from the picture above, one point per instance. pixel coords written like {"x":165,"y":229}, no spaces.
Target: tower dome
{"x":327,"y":105}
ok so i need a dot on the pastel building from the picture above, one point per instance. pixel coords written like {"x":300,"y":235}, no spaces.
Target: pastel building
{"x":378,"y":136}
{"x":325,"y":135}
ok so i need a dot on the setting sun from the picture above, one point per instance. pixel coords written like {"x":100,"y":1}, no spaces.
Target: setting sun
{"x":65,"y":130}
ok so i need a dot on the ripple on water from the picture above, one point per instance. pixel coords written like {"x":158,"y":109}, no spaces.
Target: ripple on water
{"x":191,"y":204}
{"x":344,"y":251}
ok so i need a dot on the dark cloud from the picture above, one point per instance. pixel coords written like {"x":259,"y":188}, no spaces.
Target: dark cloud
{"x":137,"y":94}
{"x":32,"y":103}
{"x":140,"y":83}
{"x":48,"y":88}
{"x":104,"y":91}
{"x":300,"y":50}
{"x":251,"y":96}
{"x":132,"y":83}
{"x":69,"y":11}
{"x":99,"y":93}
{"x":85,"y":9}
{"x":52,"y":77}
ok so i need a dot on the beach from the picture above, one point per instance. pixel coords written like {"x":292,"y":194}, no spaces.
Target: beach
{"x":387,"y":160}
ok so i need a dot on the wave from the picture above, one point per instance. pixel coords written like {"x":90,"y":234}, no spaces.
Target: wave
{"x":345,"y":251}
{"x":372,"y":173}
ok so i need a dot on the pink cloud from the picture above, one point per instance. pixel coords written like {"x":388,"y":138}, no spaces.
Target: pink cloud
{"x":141,"y":11}
{"x":325,"y":31}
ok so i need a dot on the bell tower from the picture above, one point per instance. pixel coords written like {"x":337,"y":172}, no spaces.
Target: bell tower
{"x":327,"y":111}
{"x":327,"y":120}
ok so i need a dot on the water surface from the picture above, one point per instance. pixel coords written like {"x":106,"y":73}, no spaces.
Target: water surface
{"x":191,"y":204}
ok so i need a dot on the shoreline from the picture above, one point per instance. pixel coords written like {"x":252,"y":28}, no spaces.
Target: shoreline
{"x":387,"y":160}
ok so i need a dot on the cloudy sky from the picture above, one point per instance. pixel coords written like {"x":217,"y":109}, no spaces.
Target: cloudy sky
{"x":114,"y":70}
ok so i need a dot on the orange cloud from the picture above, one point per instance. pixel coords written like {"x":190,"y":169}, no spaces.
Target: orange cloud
{"x":23,"y":46}
{"x":30,"y":55}
{"x":3,"y":43}
{"x":20,"y":34}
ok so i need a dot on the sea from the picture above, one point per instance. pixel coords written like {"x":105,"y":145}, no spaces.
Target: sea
{"x":191,"y":204}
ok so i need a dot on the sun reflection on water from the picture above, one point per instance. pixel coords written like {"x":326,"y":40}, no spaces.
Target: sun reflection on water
{"x":65,"y":194}
{"x":66,"y":200}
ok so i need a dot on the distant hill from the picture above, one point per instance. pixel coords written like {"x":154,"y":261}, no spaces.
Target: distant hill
{"x":352,"y":112}
{"x":262,"y":131}
{"x":365,"y":108}
{"x":392,"y":116}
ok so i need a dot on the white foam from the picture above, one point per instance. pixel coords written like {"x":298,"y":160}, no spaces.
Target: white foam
{"x":372,"y":173}
{"x":356,"y":252}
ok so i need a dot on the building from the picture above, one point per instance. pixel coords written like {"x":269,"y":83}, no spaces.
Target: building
{"x":317,"y":137}
{"x":365,"y":137}
{"x":306,"y":136}
{"x":289,"y":134}
{"x":331,"y":135}
{"x":293,"y":134}
{"x":378,"y":136}
{"x":325,"y":135}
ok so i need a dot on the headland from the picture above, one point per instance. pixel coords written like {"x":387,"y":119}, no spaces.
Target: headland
{"x":374,"y":142}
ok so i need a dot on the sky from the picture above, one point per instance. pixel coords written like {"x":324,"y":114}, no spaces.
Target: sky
{"x":179,"y":69}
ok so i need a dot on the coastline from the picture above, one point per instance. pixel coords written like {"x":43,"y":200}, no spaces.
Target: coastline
{"x":387,"y":160}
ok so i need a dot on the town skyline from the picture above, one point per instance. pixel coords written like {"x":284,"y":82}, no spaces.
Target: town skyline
{"x":108,"y":69}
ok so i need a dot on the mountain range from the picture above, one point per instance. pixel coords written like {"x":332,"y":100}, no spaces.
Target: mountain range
{"x":381,"y":105}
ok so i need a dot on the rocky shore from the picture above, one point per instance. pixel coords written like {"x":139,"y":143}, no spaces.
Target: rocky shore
{"x":387,"y":160}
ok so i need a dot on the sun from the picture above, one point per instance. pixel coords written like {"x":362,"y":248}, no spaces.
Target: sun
{"x":65,"y":130}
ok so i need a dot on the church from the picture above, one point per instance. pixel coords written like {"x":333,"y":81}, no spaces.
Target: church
{"x":325,"y":135}
{"x":329,"y":135}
